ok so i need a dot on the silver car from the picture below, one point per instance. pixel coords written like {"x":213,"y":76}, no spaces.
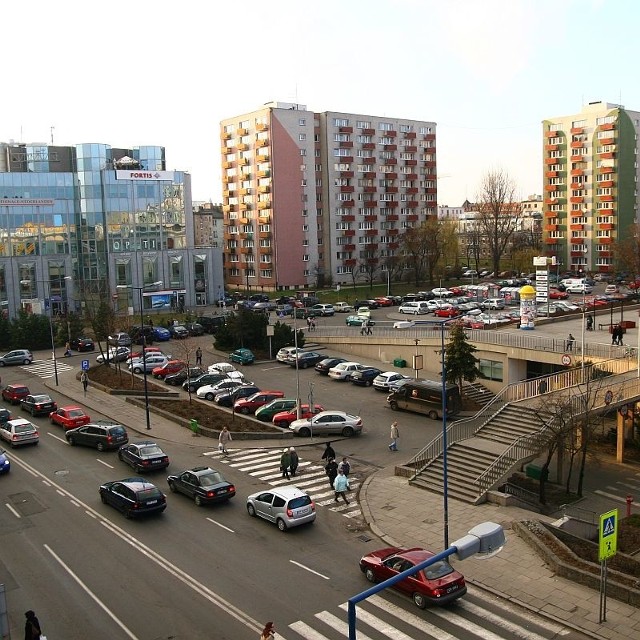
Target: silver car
{"x":17,"y":356}
{"x":18,"y":432}
{"x":286,"y":506}
{"x":329,"y":423}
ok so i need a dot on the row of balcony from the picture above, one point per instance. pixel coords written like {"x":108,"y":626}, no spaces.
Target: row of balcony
{"x":554,"y":133}
{"x":581,"y":241}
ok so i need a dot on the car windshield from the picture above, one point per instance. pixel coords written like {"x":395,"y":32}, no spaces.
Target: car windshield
{"x":153,"y":450}
{"x":41,"y":399}
{"x":117,"y":431}
{"x":23,"y":428}
{"x":210,"y":479}
{"x":302,"y":501}
{"x":437,"y":570}
{"x":75,"y":413}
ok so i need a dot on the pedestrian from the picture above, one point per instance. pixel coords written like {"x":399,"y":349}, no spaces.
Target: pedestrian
{"x":369,"y":331}
{"x":329,"y":453}
{"x":223,"y":439}
{"x":589,"y":323}
{"x":363,"y":327}
{"x":620,"y":333}
{"x":345,"y":467}
{"x":67,"y":350}
{"x":331,"y":469}
{"x":268,"y":633}
{"x":293,"y":464}
{"x":395,"y":434}
{"x":285,"y":463}
{"x":570,"y":342}
{"x":84,"y":379}
{"x":199,"y":356}
{"x":32,"y":629}
{"x":341,"y":486}
{"x":313,"y":325}
{"x":309,"y":324}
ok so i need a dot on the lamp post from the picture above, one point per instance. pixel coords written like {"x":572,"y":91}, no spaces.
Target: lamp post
{"x":484,"y":540}
{"x":388,"y":282}
{"x":144,"y":344}
{"x":295,"y":344}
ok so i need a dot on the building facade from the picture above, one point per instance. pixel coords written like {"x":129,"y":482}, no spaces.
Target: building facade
{"x":86,"y":221}
{"x":590,"y":182}
{"x":312,"y":199}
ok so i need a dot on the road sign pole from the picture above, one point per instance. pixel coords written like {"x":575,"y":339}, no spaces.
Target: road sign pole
{"x":607,"y":548}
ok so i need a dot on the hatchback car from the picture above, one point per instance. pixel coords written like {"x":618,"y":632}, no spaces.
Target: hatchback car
{"x":242,"y":356}
{"x":150,"y":362}
{"x":69,"y":417}
{"x":365,"y":377}
{"x":161,"y":334}
{"x":5,"y":463}
{"x":133,"y":497}
{"x":344,"y":370}
{"x":172,"y":366}
{"x":114,"y":354}
{"x":284,"y":418}
{"x":17,"y":356}
{"x":284,"y":353}
{"x":18,"y":432}
{"x":83,"y":344}
{"x":210,"y":391}
{"x":306,"y":359}
{"x":179,"y":331}
{"x":330,"y":423}
{"x":328,"y":363}
{"x":266,"y":412}
{"x":194,"y":328}
{"x":120,"y":339}
{"x":356,"y":321}
{"x":203,"y":485}
{"x":323,"y":309}
{"x":257,"y":400}
{"x":227,"y":397}
{"x":176,"y":379}
{"x":38,"y":405}
{"x":5,"y":414}
{"x":437,"y":584}
{"x":385,"y":380}
{"x":285,"y":506}
{"x":14,"y":393}
{"x":144,"y":456}
{"x":206,"y":379}
{"x":101,"y":436}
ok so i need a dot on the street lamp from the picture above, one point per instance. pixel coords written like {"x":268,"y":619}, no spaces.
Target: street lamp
{"x":484,"y":540}
{"x":144,"y":344}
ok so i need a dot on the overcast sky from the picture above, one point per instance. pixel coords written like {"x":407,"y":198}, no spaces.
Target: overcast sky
{"x":165,"y":73}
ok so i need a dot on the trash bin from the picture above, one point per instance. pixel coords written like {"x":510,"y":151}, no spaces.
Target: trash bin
{"x":400,"y":363}
{"x":193,"y":425}
{"x":533,"y":471}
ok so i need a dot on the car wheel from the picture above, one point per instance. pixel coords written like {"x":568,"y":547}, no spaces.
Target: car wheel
{"x":127,"y":514}
{"x":71,"y":440}
{"x":367,"y":383}
{"x":198,"y":501}
{"x":244,"y":410}
{"x":433,"y":415}
{"x":370,"y":575}
{"x":137,"y":370}
{"x":120,"y":455}
{"x":419,"y":600}
{"x":283,"y":424}
{"x":100,"y":446}
{"x":347,"y":432}
{"x":1,"y":363}
{"x":27,"y":361}
{"x":304,"y":365}
{"x":51,"y":421}
{"x":251,"y":510}
{"x":394,"y":405}
{"x":209,"y":396}
{"x":138,"y":469}
{"x":305,"y":432}
{"x":282,"y":525}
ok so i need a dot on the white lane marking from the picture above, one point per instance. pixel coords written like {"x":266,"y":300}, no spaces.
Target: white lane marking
{"x":340,"y":626}
{"x":15,"y":513}
{"x":75,"y":503}
{"x":53,"y":435}
{"x":90,"y":593}
{"x":467,"y":625}
{"x":611,"y":496}
{"x":380,"y":625}
{"x":106,"y":464}
{"x":307,"y":632}
{"x":635,"y":487}
{"x":309,"y":570}
{"x":60,"y":492}
{"x":220,"y":525}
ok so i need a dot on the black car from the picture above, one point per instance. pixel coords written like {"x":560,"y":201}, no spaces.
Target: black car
{"x":178,"y":331}
{"x":227,"y":398}
{"x":307,"y":359}
{"x":176,"y":379}
{"x":212,"y":324}
{"x":324,"y":365}
{"x":38,"y":405}
{"x":206,"y":378}
{"x":133,"y":497}
{"x":203,"y":484}
{"x":365,"y":377}
{"x":83,"y":344}
{"x":5,"y":414}
{"x":194,"y":328}
{"x":142,"y":335}
{"x":100,"y":436}
{"x":144,"y":456}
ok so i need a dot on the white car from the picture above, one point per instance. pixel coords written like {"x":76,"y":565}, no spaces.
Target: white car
{"x":116,"y":354}
{"x":342,"y":307}
{"x":328,"y":422}
{"x":137,"y":365}
{"x":416,"y":308}
{"x":344,"y":370}
{"x":404,"y":324}
{"x":385,"y":380}
{"x":364,"y":312}
{"x":288,"y":352}
{"x":18,"y":432}
{"x":210,"y":391}
{"x":579,"y":288}
{"x":221,"y":367}
{"x":441,"y":292}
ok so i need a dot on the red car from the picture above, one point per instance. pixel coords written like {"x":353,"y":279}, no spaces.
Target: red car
{"x":554,"y":294}
{"x":148,"y":350}
{"x":285,"y":418}
{"x":457,"y":291}
{"x":447,"y":312}
{"x":437,"y":584}
{"x":69,"y":417}
{"x":15,"y":393}
{"x":173,"y":366}
{"x":257,"y":400}
{"x":383,"y":301}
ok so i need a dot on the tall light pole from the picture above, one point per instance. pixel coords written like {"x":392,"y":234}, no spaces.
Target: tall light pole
{"x":144,"y":345}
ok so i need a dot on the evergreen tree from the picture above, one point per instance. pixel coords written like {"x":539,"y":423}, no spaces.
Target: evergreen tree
{"x":459,"y":362}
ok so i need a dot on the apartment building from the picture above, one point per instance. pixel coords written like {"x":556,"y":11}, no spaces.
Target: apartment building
{"x":316,"y":198}
{"x":590,"y":182}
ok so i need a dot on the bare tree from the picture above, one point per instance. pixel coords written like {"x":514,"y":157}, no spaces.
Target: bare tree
{"x":369,"y":268}
{"x":422,"y":247}
{"x":627,"y":251}
{"x":499,"y":213}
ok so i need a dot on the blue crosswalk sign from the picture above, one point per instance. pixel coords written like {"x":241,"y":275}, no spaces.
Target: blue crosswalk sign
{"x":608,"y":542}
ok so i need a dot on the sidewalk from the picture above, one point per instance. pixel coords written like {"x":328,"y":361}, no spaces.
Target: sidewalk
{"x":404,"y":515}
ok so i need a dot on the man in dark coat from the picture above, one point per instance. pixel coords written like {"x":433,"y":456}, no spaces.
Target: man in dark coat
{"x":32,"y":629}
{"x":331,"y":470}
{"x":328,"y":453}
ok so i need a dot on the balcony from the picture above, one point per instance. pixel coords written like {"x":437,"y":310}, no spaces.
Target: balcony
{"x":552,"y":240}
{"x":606,"y":169}
{"x":410,"y":163}
{"x":392,"y":217}
{"x":577,"y":172}
{"x":391,"y":134}
{"x":605,"y":240}
{"x":264,"y":188}
{"x":351,"y":262}
{"x":264,"y":204}
{"x":246,"y":250}
{"x":262,"y":157}
{"x":243,"y":147}
{"x":551,"y":187}
{"x":347,"y":218}
{"x":242,"y":132}
{"x":264,"y":174}
{"x":390,"y":147}
{"x":393,"y":176}
{"x":228,"y":164}
{"x":346,"y":144}
{"x":576,"y":227}
{"x":551,"y":147}
{"x":348,"y":174}
{"x":349,"y":233}
{"x":580,"y":240}
{"x":577,"y":158}
{"x":553,"y":133}
{"x":244,"y":220}
{"x":246,"y":176}
{"x":429,"y":136}
{"x":262,"y":143}
{"x":393,"y":245}
{"x":391,"y":189}
{"x":551,"y":160}
{"x":368,"y":132}
{"x":349,"y":247}
{"x":226,"y":135}
{"x":607,"y":155}
{"x":551,"y":174}
{"x":262,"y":127}
{"x":347,"y":203}
{"x":610,"y":126}
{"x":577,"y":185}
{"x":389,"y":161}
{"x":606,"y":183}
{"x":264,"y":234}
{"x":262,"y":219}
{"x":345,"y":159}
{"x":370,"y":203}
{"x":412,"y":217}
{"x":370,"y":189}
{"x":345,"y":129}
{"x":607,"y":140}
{"x":371,"y":218}
{"x":368,"y":174}
{"x":410,"y":135}
{"x":606,"y":226}
{"x":576,"y":199}
{"x":371,"y":232}
{"x":369,"y":145}
{"x":411,"y":190}
{"x":605,"y":254}
{"x":347,"y":189}
{"x":551,"y":227}
{"x":577,"y":130}
{"x":577,"y":144}
{"x":606,"y":198}
{"x":411,"y":149}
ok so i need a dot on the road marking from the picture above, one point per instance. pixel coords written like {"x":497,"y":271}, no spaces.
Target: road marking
{"x":309,"y":570}
{"x":380,"y":625}
{"x":338,"y":625}
{"x":307,"y":632}
{"x":612,"y":496}
{"x":220,"y":525}
{"x":15,"y":513}
{"x":53,"y":435}
{"x":106,"y":464}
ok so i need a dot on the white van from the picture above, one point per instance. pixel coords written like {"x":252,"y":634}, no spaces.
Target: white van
{"x":416,"y":308}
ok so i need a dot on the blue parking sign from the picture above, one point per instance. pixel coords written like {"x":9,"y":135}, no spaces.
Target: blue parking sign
{"x":85,"y":365}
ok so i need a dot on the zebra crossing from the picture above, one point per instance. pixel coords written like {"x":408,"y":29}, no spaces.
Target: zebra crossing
{"x":264,"y":464}
{"x":618,"y":491}
{"x":46,"y":368}
{"x":381,"y":617}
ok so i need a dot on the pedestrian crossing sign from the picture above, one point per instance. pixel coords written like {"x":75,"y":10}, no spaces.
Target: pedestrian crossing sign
{"x":608,"y":542}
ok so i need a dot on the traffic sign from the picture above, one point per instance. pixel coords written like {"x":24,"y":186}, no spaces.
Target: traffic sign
{"x":608,"y":535}
{"x":566,"y":359}
{"x":85,"y":365}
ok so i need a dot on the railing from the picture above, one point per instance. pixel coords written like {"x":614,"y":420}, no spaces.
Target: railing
{"x":523,"y":494}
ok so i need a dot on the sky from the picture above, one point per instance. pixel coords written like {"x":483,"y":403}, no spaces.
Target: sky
{"x":487,"y":72}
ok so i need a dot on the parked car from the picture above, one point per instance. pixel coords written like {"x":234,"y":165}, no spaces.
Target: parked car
{"x":5,"y":414}
{"x":413,"y":307}
{"x":365,"y":377}
{"x":442,"y":292}
{"x":5,"y":463}
{"x":384,"y":381}
{"x":14,"y":393}
{"x":17,"y":356}
{"x":150,"y":362}
{"x":227,"y":397}
{"x":172,"y":366}
{"x":133,"y":497}
{"x":437,"y":584}
{"x":284,"y":418}
{"x":205,"y":379}
{"x":18,"y":432}
{"x":252,"y":403}
{"x":284,"y":353}
{"x":176,"y":379}
{"x":179,"y":331}
{"x":356,"y":321}
{"x":194,"y":328}
{"x":38,"y":405}
{"x":344,"y":370}
{"x":69,"y":417}
{"x":285,"y":506}
{"x":242,"y":356}
{"x":203,"y":485}
{"x":82,"y":344}
{"x":212,"y":324}
{"x":143,"y":456}
{"x":267,"y":411}
{"x":323,"y":309}
{"x":447,"y":312}
{"x":342,"y":307}
{"x":210,"y":391}
{"x":328,"y":423}
{"x":556,"y":294}
{"x":143,"y":335}
{"x":120,"y":339}
{"x":324,"y":365}
{"x":221,"y":367}
{"x":306,"y":359}
{"x":102,"y":436}
{"x":384,"y":301}
{"x":114,"y":354}
{"x":161,"y":334}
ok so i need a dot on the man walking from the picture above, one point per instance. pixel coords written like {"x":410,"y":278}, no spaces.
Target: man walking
{"x":223,"y":439}
{"x":395,"y":434}
{"x":570,"y":341}
{"x":341,"y":486}
{"x":84,"y":379}
{"x":198,"y":356}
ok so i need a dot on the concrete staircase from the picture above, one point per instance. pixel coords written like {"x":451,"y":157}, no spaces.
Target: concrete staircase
{"x":478,"y":393}
{"x":470,"y":458}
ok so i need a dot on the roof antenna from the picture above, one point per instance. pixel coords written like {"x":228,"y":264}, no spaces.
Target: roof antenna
{"x":52,"y":128}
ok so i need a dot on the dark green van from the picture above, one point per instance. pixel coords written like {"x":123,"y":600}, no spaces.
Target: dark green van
{"x":425,"y":396}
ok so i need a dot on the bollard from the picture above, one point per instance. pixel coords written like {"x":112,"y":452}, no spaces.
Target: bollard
{"x":629,"y":501}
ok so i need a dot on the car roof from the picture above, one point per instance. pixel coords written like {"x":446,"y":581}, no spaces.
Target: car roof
{"x":19,"y":421}
{"x":285,"y":492}
{"x":137,"y":483}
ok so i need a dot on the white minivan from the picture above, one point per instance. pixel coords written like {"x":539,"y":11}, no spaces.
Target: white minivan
{"x":416,"y":308}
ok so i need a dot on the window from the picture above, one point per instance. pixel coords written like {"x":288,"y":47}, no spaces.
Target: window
{"x":363,"y":124}
{"x":305,"y":257}
{"x":490,"y":369}
{"x":385,"y":126}
{"x":266,"y":273}
{"x":342,"y":167}
{"x":302,"y":137}
{"x":365,"y":225}
{"x":341,"y":153}
{"x":341,"y":137}
{"x":303,"y":152}
{"x":406,"y":128}
{"x":302,"y":122}
{"x":340,"y":122}
{"x":605,"y":120}
{"x":425,"y":130}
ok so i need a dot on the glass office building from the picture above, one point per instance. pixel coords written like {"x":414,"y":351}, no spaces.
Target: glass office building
{"x":83,"y":222}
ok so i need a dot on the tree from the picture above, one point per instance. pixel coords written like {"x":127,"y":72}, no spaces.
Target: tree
{"x":423,"y":247}
{"x":369,"y":267}
{"x":459,"y":362}
{"x":627,"y":251}
{"x":499,"y":213}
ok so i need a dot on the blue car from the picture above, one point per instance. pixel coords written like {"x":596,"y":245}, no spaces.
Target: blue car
{"x":5,"y":465}
{"x":161,"y":334}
